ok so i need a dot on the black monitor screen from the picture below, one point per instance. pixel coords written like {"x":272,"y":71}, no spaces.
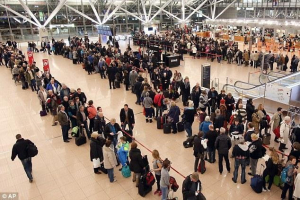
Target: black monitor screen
{"x":150,"y":28}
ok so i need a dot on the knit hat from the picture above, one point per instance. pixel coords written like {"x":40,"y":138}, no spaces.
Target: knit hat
{"x":222,"y":101}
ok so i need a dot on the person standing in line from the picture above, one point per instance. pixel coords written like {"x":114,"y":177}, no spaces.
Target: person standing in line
{"x":240,"y":153}
{"x":42,"y":96}
{"x":127,"y":118}
{"x":147,"y":103}
{"x":250,"y":108}
{"x":285,"y":128}
{"x":20,"y":149}
{"x":173,"y":116}
{"x":82,"y":120}
{"x":165,"y":179}
{"x":110,"y":160}
{"x":289,"y":185}
{"x":276,"y":120}
{"x":191,"y":187}
{"x":256,"y":151}
{"x":198,"y":149}
{"x":52,"y":104}
{"x":157,"y":165}
{"x":63,"y":120}
{"x":223,"y":144}
{"x":97,"y":142}
{"x":188,"y":118}
{"x":271,"y":168}
{"x":211,"y":137}
{"x":91,"y":113}
{"x":136,"y":164}
{"x":185,"y":89}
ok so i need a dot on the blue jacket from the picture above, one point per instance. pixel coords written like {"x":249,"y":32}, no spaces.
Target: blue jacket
{"x":174,"y":113}
{"x":49,"y":87}
{"x":204,"y":126}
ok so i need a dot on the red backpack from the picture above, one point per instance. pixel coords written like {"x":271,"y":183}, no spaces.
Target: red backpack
{"x":150,"y":180}
{"x":174,"y":184}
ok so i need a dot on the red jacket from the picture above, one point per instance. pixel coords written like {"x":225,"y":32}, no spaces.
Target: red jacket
{"x":158,"y":99}
{"x":92,"y":112}
{"x":108,"y":61}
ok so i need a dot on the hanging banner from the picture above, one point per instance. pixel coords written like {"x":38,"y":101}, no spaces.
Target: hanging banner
{"x":30,"y":57}
{"x":46,"y":66}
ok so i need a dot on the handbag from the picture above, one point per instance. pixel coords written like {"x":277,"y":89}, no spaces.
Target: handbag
{"x":276,"y":131}
{"x":96,"y":162}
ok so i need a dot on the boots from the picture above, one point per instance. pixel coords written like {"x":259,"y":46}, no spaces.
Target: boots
{"x":284,"y":146}
{"x":276,"y":140}
{"x":281,"y":147}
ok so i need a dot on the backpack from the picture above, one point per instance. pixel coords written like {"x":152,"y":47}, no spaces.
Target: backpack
{"x":284,"y":175}
{"x":174,"y":184}
{"x":32,"y":150}
{"x":150,"y":180}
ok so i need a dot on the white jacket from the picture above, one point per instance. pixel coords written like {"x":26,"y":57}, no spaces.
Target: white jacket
{"x":297,"y":186}
{"x":284,"y":132}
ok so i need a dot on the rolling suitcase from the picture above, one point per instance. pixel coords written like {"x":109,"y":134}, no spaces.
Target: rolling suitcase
{"x":266,"y":139}
{"x":159,"y":122}
{"x":81,"y":139}
{"x":257,"y":182}
{"x":117,"y":84}
{"x":143,"y":188}
{"x":201,"y":166}
{"x":180,"y":126}
{"x":167,"y":128}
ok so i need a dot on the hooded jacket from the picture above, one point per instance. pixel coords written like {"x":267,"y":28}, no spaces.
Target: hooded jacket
{"x":256,"y":149}
{"x":223,"y":144}
{"x":240,"y":151}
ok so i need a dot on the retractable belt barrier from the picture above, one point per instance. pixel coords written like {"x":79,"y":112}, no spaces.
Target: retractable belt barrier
{"x":146,"y":148}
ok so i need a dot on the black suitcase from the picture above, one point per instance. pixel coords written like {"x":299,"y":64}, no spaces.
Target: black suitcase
{"x":167,"y":128}
{"x":81,"y":139}
{"x":159,"y":122}
{"x":142,"y":187}
{"x":180,"y":126}
{"x":117,"y":84}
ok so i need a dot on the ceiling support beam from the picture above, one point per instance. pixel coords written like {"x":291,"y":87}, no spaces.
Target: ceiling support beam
{"x":83,"y":15}
{"x":168,"y":13}
{"x":198,"y":8}
{"x":95,"y":11}
{"x":225,"y":9}
{"x":20,"y":15}
{"x":54,"y":12}
{"x":160,"y":9}
{"x":113,"y":12}
{"x":29,"y":12}
{"x":199,"y":12}
{"x":130,"y":13}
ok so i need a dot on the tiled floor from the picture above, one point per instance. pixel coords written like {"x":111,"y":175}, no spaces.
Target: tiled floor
{"x":64,"y":171}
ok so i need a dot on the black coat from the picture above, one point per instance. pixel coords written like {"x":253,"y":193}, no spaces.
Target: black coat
{"x":111,"y":73}
{"x":219,"y":121}
{"x":186,"y":188}
{"x":81,"y":96}
{"x":99,"y":124}
{"x":136,"y":162}
{"x":223,"y":144}
{"x":80,"y":118}
{"x":19,"y":149}
{"x":107,"y":130}
{"x":211,"y":137}
{"x":250,"y":110}
{"x":96,"y":148}
{"x":130,"y":116}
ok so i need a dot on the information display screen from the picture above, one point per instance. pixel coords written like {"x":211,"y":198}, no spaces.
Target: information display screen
{"x":104,"y":30}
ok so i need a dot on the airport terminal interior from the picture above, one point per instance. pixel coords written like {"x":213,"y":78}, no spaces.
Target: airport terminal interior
{"x":213,"y":86}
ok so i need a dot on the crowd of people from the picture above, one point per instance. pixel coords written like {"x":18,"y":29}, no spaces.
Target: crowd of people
{"x":220,"y":117}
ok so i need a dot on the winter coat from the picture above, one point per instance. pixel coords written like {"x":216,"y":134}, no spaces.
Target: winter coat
{"x":109,"y":158}
{"x":256,"y":149}
{"x":271,"y":168}
{"x":174,"y":113}
{"x":255,"y":122}
{"x":204,"y":126}
{"x":237,"y":128}
{"x":250,"y":110}
{"x":284,"y":132}
{"x":240,"y":151}
{"x":123,"y":153}
{"x":20,"y":149}
{"x":136,"y":162}
{"x":223,"y":144}
{"x":211,"y":136}
{"x":96,"y":148}
{"x":276,"y":120}
{"x":99,"y":124}
{"x":186,"y":188}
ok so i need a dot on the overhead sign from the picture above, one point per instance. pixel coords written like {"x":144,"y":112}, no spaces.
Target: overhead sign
{"x":46,"y":65}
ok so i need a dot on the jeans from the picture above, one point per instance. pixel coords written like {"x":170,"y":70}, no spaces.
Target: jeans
{"x":158,"y":181}
{"x":287,"y":187}
{"x":253,"y":165}
{"x":148,"y":113}
{"x":188,"y":128}
{"x":110,"y":173}
{"x":237,"y":164}
{"x":225,"y":156}
{"x":33,"y":85}
{"x":65,"y":129}
{"x":27,"y":167}
{"x":211,"y":154}
{"x":164,"y":193}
